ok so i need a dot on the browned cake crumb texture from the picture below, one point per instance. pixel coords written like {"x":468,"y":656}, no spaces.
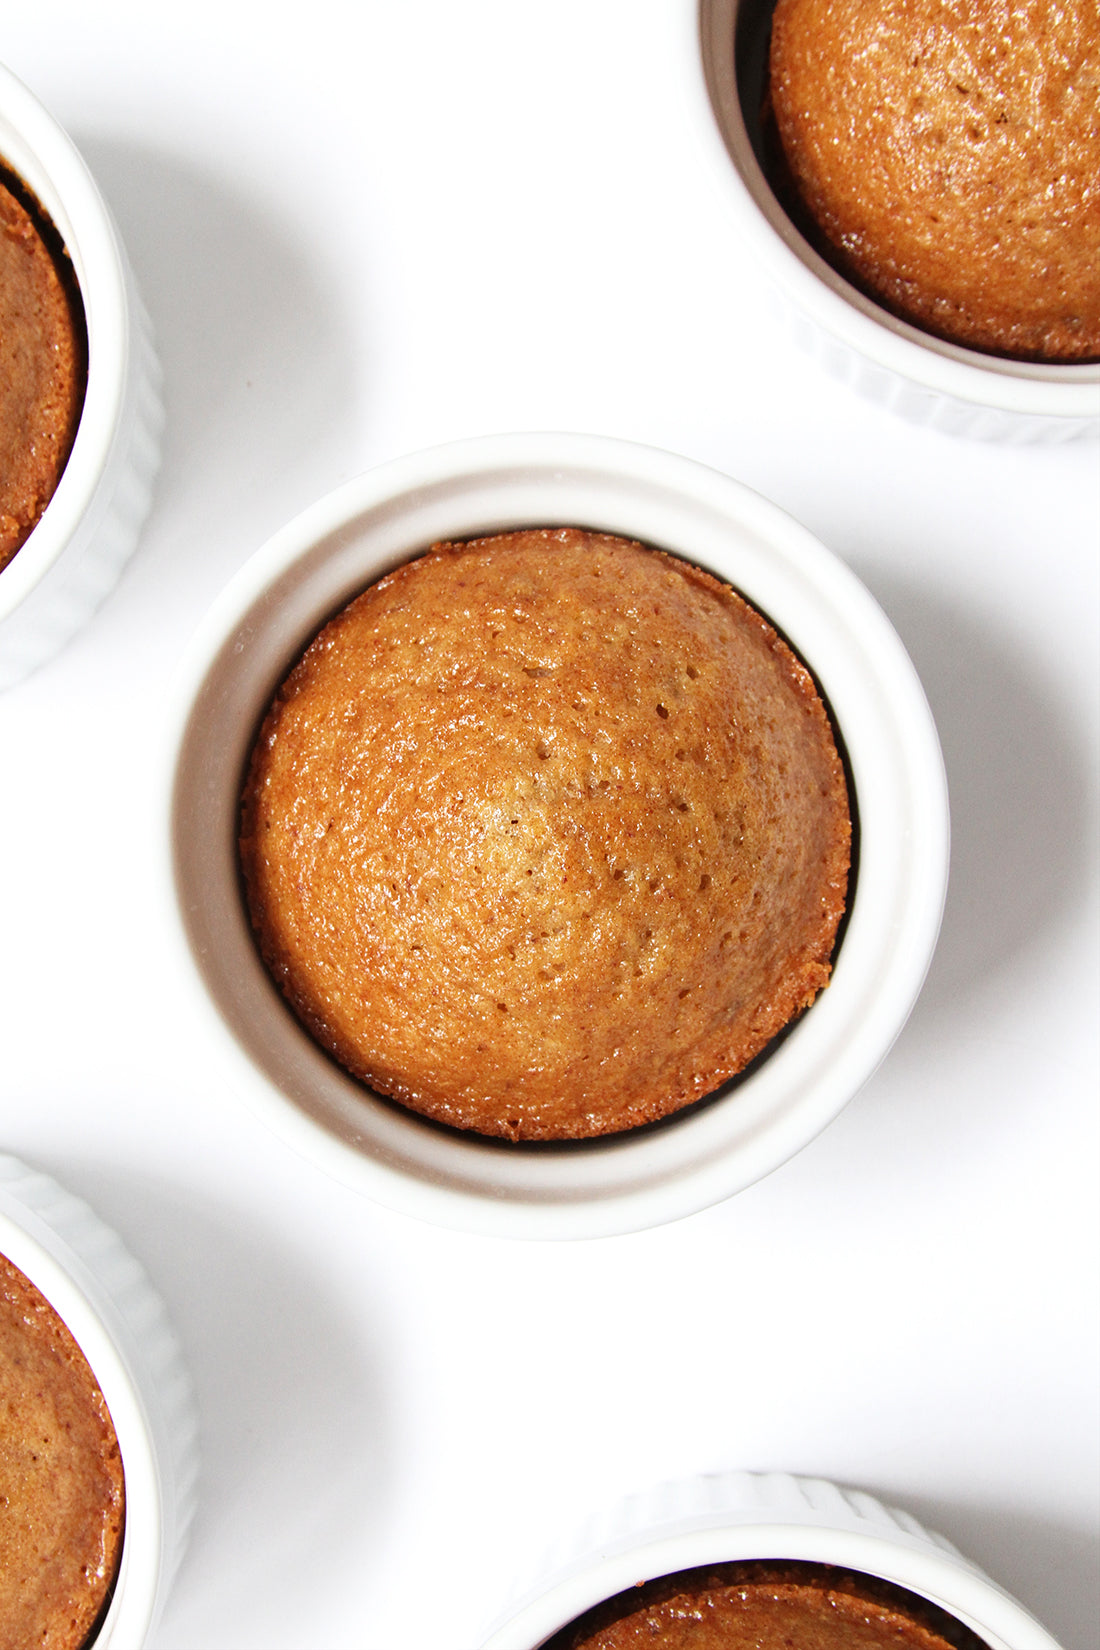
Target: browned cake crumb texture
{"x":61,"y":1486}
{"x":41,"y":374}
{"x":767,"y":1606}
{"x":949,"y":153}
{"x":546,"y":835}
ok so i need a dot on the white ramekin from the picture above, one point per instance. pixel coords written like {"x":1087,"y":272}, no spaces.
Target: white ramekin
{"x":737,"y":1516}
{"x":924,"y":379}
{"x":309,"y":570}
{"x":119,"y":1323}
{"x":90,"y":527}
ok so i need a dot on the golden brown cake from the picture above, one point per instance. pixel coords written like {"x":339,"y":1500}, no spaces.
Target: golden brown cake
{"x":41,"y":370}
{"x":546,"y":835}
{"x":948,"y":151}
{"x":767,"y":1606}
{"x":61,"y":1489}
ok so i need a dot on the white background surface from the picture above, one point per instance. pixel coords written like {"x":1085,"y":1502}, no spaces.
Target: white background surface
{"x":361,"y":228}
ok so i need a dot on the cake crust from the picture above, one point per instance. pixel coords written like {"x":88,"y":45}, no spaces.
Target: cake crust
{"x":546,"y":835}
{"x":948,"y":151}
{"x":41,"y":374}
{"x":767,"y":1605}
{"x":61,"y":1482}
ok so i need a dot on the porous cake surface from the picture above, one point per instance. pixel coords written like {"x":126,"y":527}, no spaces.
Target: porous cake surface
{"x":41,"y":374}
{"x":767,"y":1606}
{"x":546,"y":835}
{"x":949,"y":153}
{"x":61,"y":1484}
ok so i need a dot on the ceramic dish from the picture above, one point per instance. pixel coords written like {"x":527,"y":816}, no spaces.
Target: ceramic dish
{"x":88,"y":530}
{"x":924,"y":379}
{"x":740,"y":1515}
{"x":649,"y":1175}
{"x":103,"y":1296}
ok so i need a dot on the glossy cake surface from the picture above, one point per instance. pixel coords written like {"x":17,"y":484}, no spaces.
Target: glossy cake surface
{"x":948,"y":151}
{"x":546,"y":835}
{"x":61,"y":1484}
{"x":41,"y":374}
{"x":767,"y":1606}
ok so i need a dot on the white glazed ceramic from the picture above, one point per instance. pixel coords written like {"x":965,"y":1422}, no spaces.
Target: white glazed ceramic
{"x":736,"y":1516}
{"x":90,"y":527}
{"x":309,"y":570}
{"x":119,"y":1323}
{"x":924,"y":379}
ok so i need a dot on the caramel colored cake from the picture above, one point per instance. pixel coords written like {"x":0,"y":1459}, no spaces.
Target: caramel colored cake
{"x":61,"y":1491}
{"x":767,"y":1606}
{"x":948,"y":152}
{"x":41,"y":371}
{"x":546,"y":835}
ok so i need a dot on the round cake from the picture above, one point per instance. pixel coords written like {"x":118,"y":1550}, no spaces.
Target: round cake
{"x":546,"y":835}
{"x":41,"y":368}
{"x":947,"y":153}
{"x":767,"y":1606}
{"x":61,"y":1485}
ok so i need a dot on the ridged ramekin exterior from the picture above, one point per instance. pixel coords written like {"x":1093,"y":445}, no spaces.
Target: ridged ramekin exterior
{"x":740,"y":1516}
{"x":90,"y":528}
{"x":120,"y":1323}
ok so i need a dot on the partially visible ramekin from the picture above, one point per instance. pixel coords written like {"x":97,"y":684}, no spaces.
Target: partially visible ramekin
{"x":736,"y":1516}
{"x":118,"y":1321}
{"x":648,"y":1176}
{"x":90,"y":527}
{"x":923,"y":379}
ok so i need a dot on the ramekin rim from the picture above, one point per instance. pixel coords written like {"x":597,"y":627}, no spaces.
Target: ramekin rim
{"x":1069,"y":390}
{"x":431,"y":1198}
{"x":71,"y":1287}
{"x":868,"y":1537}
{"x":63,"y":182}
